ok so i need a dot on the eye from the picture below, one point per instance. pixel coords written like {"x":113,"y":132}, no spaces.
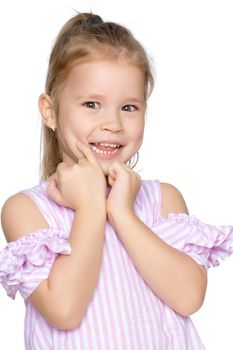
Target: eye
{"x":130,"y":108}
{"x":91,"y":104}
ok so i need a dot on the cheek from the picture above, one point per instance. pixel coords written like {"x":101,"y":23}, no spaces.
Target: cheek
{"x":137,"y":132}
{"x":72,"y":125}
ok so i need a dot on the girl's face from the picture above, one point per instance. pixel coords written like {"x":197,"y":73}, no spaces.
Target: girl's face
{"x":102,"y":101}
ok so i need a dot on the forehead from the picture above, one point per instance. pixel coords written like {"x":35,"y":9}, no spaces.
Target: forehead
{"x":105,"y":76}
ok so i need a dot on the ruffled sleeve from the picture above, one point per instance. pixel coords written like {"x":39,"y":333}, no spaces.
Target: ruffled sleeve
{"x":205,"y":243}
{"x":26,"y":262}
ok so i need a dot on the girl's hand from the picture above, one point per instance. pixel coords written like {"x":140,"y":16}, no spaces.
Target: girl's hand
{"x":80,"y":185}
{"x":125,"y":185}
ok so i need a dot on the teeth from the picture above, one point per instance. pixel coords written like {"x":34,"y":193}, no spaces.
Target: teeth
{"x":113,"y":145}
{"x":97,"y":150}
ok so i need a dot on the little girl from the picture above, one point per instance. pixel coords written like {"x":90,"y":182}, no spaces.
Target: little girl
{"x":102,"y":258}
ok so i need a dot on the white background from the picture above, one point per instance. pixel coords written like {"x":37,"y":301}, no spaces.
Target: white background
{"x":188,"y":136}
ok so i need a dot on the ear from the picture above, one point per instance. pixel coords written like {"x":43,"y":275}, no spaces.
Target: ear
{"x":47,"y":112}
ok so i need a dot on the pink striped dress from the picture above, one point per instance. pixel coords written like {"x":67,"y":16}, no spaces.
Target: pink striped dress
{"x":124,"y":313}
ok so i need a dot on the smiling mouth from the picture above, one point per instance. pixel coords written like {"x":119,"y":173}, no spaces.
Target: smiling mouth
{"x":100,"y":149}
{"x":105,"y":149}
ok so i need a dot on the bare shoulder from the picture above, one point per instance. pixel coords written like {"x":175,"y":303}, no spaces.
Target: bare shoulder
{"x":20,"y":216}
{"x":172,"y":200}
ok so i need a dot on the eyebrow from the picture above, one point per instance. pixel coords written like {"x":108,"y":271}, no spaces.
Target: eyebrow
{"x":99,"y":96}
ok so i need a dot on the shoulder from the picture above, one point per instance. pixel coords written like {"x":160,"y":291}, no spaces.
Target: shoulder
{"x":20,"y":216}
{"x":172,"y":200}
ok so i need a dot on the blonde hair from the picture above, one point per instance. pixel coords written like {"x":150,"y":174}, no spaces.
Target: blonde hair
{"x":86,"y":37}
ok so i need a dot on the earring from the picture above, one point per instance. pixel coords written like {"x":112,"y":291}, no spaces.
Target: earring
{"x":53,"y":127}
{"x":129,"y":162}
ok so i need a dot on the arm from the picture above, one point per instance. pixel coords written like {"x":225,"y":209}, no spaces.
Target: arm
{"x":62,"y":299}
{"x":175,"y":277}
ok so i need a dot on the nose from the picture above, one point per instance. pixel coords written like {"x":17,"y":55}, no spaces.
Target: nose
{"x":111,"y":121}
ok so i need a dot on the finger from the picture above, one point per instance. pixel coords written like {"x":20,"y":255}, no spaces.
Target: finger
{"x":86,"y":152}
{"x":116,"y":167}
{"x":127,"y":167}
{"x":130,"y":170}
{"x":54,"y":175}
{"x":78,"y":152}
{"x":60,"y":167}
{"x":54,"y":192}
{"x":111,"y":180}
{"x":112,"y":173}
